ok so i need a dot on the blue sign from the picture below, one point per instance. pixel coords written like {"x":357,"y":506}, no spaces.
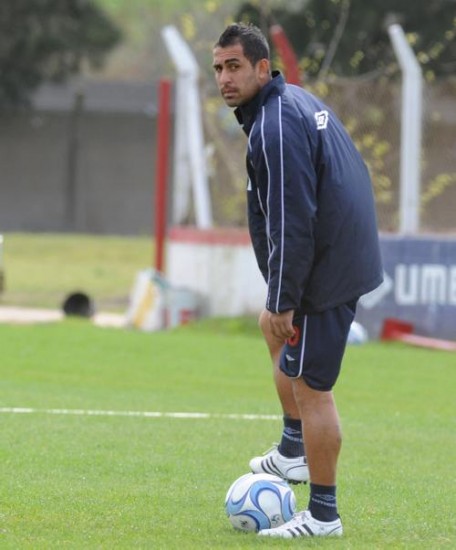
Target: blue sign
{"x":419,"y":287}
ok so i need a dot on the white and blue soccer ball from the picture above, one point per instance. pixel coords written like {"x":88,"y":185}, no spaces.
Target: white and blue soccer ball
{"x":259,"y":501}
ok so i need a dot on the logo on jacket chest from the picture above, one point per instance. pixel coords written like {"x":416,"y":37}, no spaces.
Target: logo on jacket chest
{"x":322,"y":118}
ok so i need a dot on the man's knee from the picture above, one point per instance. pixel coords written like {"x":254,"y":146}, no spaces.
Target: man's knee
{"x":311,"y":397}
{"x":274,"y":344}
{"x":263,"y":321}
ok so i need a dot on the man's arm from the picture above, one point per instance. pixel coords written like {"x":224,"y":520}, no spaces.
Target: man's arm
{"x":287,"y":183}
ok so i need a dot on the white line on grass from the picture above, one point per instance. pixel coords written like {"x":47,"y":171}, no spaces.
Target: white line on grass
{"x":142,"y":414}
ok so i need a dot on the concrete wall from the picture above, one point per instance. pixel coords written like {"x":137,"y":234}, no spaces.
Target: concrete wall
{"x":95,"y":178}
{"x":82,"y":159}
{"x":219,"y":266}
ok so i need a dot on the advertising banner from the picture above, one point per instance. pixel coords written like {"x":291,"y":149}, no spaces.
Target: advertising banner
{"x":419,"y":287}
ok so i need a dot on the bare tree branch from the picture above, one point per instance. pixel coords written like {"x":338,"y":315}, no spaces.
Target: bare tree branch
{"x":333,"y":45}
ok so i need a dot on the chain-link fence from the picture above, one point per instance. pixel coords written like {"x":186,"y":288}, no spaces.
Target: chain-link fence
{"x":371,"y":110}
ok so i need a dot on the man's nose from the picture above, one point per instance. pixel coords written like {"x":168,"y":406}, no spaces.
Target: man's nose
{"x":224,"y":76}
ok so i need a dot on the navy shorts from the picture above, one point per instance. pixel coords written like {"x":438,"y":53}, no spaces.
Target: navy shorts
{"x":315,"y":352}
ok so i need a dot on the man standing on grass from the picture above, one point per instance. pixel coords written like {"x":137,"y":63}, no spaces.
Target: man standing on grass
{"x":313,"y":228}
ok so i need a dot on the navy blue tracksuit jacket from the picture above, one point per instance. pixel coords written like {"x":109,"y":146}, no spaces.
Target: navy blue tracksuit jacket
{"x":311,"y":209}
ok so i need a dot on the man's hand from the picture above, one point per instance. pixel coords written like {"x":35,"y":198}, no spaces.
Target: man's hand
{"x":282,"y":324}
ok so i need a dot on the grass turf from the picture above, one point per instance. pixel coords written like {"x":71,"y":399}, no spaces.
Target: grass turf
{"x":42,"y":269}
{"x":130,"y":482}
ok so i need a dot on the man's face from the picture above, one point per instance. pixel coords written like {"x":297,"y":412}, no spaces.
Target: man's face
{"x":237,"y":80}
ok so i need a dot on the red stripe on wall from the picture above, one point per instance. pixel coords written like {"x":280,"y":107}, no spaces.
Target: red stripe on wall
{"x":216,"y":236}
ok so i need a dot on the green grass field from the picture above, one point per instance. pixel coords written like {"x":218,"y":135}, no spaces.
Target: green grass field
{"x":41,"y":269}
{"x":112,"y":480}
{"x":92,"y":481}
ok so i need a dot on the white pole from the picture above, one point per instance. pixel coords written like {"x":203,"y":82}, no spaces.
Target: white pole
{"x":191,"y":144}
{"x":411,"y":127}
{"x":182,"y":180}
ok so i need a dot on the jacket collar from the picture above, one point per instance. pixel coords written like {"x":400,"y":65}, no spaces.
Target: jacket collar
{"x":247,"y":113}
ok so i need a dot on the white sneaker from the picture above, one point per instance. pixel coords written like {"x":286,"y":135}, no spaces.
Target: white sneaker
{"x":293,"y":470}
{"x":304,"y":525}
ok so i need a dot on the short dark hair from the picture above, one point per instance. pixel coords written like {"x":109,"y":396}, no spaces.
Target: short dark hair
{"x":252,"y":40}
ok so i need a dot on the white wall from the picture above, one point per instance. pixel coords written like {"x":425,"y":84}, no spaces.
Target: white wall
{"x":220,"y":266}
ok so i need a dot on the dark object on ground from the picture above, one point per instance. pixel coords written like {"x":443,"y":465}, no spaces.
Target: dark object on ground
{"x":78,"y":304}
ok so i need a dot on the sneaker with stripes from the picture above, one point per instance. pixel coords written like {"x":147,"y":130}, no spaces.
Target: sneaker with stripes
{"x":304,"y":524}
{"x":293,"y":470}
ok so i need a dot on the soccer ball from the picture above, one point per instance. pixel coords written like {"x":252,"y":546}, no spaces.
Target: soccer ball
{"x":259,"y":501}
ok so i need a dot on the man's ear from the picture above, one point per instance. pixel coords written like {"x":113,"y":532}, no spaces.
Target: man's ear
{"x":264,"y":69}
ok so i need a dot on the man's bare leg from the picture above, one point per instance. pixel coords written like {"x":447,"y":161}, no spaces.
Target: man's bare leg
{"x":322,"y":436}
{"x":283,"y":383}
{"x":288,"y":460}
